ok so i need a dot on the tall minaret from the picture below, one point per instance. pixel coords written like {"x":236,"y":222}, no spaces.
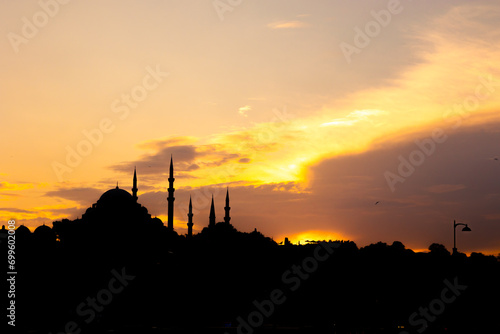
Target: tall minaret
{"x":212,"y":214}
{"x":134,"y":188}
{"x":190,"y":219}
{"x":171,"y":197}
{"x":227,"y":208}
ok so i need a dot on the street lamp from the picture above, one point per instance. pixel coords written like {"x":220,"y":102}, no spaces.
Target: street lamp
{"x":465,"y":229}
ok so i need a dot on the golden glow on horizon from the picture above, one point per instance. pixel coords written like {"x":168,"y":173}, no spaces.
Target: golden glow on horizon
{"x":313,"y":235}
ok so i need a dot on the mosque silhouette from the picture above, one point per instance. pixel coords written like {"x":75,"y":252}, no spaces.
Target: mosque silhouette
{"x":118,"y":211}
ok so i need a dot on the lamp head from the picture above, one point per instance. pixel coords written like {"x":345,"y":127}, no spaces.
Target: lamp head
{"x":466,"y":229}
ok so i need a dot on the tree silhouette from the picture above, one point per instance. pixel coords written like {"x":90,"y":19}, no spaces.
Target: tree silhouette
{"x":438,"y":250}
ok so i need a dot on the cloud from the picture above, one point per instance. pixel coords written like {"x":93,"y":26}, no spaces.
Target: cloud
{"x":158,"y":162}
{"x":243,"y":110}
{"x":444,"y":188}
{"x":195,"y":161}
{"x":40,"y":215}
{"x":422,"y":208}
{"x":355,"y":117}
{"x":414,"y":96}
{"x":68,"y":212}
{"x":341,"y":122}
{"x":9,"y":195}
{"x":287,"y":25}
{"x":16,"y":186}
{"x":165,"y":142}
{"x":83,"y":195}
{"x":16,"y":210}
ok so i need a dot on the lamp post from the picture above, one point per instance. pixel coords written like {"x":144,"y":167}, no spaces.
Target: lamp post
{"x":465,"y":229}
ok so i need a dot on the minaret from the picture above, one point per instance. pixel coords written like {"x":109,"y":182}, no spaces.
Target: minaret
{"x":171,"y":197}
{"x":134,"y":188}
{"x":190,"y":219}
{"x":227,"y":208}
{"x":212,"y":214}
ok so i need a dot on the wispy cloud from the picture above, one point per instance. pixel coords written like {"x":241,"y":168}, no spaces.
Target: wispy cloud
{"x":81,"y":195}
{"x":196,"y":162}
{"x":287,"y":25}
{"x":355,"y":117}
{"x":163,"y":142}
{"x":445,"y":188}
{"x":243,"y":110}
{"x":13,"y":186}
{"x":16,"y":210}
{"x":341,"y":122}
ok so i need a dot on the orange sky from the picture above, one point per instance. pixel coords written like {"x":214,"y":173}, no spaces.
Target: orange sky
{"x":264,"y":98}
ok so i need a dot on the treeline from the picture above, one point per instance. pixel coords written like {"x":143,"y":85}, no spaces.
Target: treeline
{"x":234,"y":282}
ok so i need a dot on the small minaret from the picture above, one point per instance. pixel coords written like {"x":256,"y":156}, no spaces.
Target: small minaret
{"x":171,"y":197}
{"x":212,"y":214}
{"x":134,"y":188}
{"x":227,"y":208}
{"x":190,"y":219}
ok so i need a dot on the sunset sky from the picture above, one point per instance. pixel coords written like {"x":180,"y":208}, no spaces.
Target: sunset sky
{"x":309,"y":111}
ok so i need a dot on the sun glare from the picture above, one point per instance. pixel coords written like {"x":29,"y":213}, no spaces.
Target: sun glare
{"x":314,"y":235}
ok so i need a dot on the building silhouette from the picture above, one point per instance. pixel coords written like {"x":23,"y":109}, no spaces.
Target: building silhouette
{"x":190,"y":219}
{"x":227,"y":218}
{"x":134,"y":188}
{"x":211,"y":217}
{"x":117,"y":214}
{"x":171,"y":197}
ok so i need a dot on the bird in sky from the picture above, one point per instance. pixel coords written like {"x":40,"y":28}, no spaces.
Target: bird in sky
{"x":377,"y":202}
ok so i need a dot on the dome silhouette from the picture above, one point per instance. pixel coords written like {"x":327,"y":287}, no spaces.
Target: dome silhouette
{"x":23,"y":231}
{"x":116,"y":196}
{"x":42,"y":230}
{"x":156,"y":222}
{"x":44,"y":233}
